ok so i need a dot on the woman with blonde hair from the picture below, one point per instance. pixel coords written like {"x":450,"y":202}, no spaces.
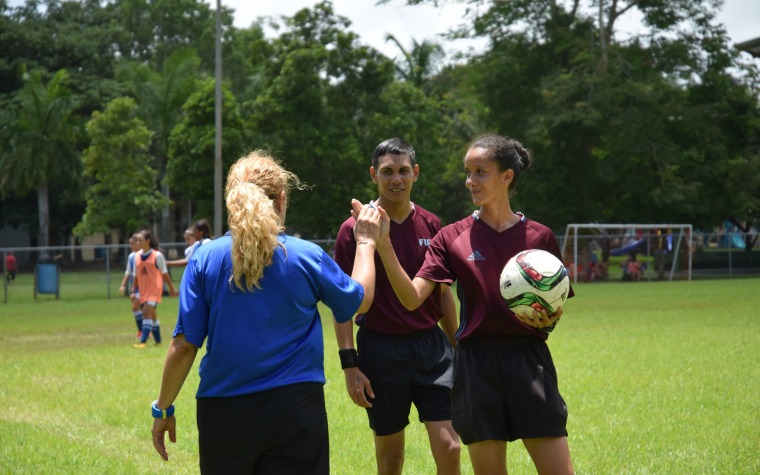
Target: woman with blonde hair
{"x":252,"y":296}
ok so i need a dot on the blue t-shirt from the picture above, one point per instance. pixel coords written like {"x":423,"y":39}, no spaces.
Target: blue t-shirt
{"x":269,"y":337}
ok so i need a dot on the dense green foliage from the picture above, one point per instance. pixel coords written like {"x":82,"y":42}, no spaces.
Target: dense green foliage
{"x":123,"y":191}
{"x":631,"y":128}
{"x":40,"y":143}
{"x":648,"y":128}
{"x":190,"y":168}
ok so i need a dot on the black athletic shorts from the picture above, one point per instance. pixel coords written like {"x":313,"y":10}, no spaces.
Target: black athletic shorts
{"x":280,"y":431}
{"x":506,"y":390}
{"x":406,"y":369}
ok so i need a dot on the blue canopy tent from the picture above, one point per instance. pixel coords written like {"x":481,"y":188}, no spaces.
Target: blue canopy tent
{"x":629,"y":247}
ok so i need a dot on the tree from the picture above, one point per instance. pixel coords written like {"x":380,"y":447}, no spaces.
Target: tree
{"x":50,"y":35}
{"x":41,"y":138}
{"x":320,"y":90}
{"x":190,"y":169}
{"x":123,"y":194}
{"x":160,"y":98}
{"x":420,"y":63}
{"x":151,"y":31}
{"x":646,"y":129}
{"x":244,"y":60}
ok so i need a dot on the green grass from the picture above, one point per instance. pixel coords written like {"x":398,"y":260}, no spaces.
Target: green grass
{"x":658,"y":378}
{"x":73,"y":286}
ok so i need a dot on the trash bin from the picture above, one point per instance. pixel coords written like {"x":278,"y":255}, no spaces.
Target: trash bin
{"x":47,"y":279}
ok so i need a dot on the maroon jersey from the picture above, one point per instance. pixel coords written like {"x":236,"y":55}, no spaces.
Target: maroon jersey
{"x":410,"y":240}
{"x":474,"y":254}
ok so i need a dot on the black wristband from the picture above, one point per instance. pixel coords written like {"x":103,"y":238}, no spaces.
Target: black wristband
{"x":349,"y":358}
{"x":548,"y":329}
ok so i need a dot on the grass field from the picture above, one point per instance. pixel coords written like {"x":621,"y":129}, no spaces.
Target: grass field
{"x":659,"y":378}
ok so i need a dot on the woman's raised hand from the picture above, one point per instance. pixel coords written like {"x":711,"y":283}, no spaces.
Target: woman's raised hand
{"x":368,"y":222}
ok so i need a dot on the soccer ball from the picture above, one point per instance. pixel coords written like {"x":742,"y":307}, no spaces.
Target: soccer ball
{"x":533,"y":279}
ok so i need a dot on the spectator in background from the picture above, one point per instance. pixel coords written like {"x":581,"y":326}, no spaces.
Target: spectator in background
{"x":47,"y":258}
{"x":10,"y":267}
{"x":634,"y":268}
{"x":624,"y":268}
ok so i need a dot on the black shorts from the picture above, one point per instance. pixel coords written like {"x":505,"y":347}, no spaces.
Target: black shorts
{"x":506,"y":390}
{"x":407,"y":369}
{"x":283,"y":430}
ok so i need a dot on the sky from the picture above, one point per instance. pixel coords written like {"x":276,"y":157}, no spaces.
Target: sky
{"x":425,"y":22}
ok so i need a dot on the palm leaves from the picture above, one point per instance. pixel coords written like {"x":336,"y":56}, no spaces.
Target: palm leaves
{"x":420,"y":63}
{"x":40,"y":139}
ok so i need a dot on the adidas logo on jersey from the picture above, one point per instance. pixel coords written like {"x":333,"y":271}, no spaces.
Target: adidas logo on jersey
{"x":476,"y":256}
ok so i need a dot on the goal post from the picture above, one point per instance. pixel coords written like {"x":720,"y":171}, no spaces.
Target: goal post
{"x":587,"y":247}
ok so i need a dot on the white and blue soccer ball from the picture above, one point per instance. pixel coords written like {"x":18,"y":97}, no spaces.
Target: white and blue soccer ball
{"x":532,"y":280}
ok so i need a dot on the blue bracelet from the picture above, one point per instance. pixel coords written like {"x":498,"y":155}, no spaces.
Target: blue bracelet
{"x":161,"y":413}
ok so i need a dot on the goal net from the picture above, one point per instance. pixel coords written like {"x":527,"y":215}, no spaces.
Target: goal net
{"x":601,"y":252}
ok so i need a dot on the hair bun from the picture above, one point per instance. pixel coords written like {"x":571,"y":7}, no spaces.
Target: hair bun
{"x":524,"y":157}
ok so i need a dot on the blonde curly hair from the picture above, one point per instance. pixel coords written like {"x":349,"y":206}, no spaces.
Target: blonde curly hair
{"x":254,"y":184}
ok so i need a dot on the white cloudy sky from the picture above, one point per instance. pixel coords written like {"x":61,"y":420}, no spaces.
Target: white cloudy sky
{"x":373,"y":22}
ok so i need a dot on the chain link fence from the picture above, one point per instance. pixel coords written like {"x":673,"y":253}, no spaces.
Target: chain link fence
{"x":96,"y":271}
{"x":82,"y":272}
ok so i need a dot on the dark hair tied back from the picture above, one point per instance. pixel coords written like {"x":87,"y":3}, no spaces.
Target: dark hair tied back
{"x":203,"y":226}
{"x":525,"y":159}
{"x":507,"y":153}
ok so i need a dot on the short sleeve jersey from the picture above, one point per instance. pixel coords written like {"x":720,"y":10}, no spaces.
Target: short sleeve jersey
{"x":191,"y":250}
{"x":474,"y":254}
{"x":265,"y":338}
{"x":410,"y":240}
{"x":130,"y":270}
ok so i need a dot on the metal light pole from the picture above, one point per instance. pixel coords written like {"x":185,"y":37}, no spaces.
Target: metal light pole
{"x":218,"y":124}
